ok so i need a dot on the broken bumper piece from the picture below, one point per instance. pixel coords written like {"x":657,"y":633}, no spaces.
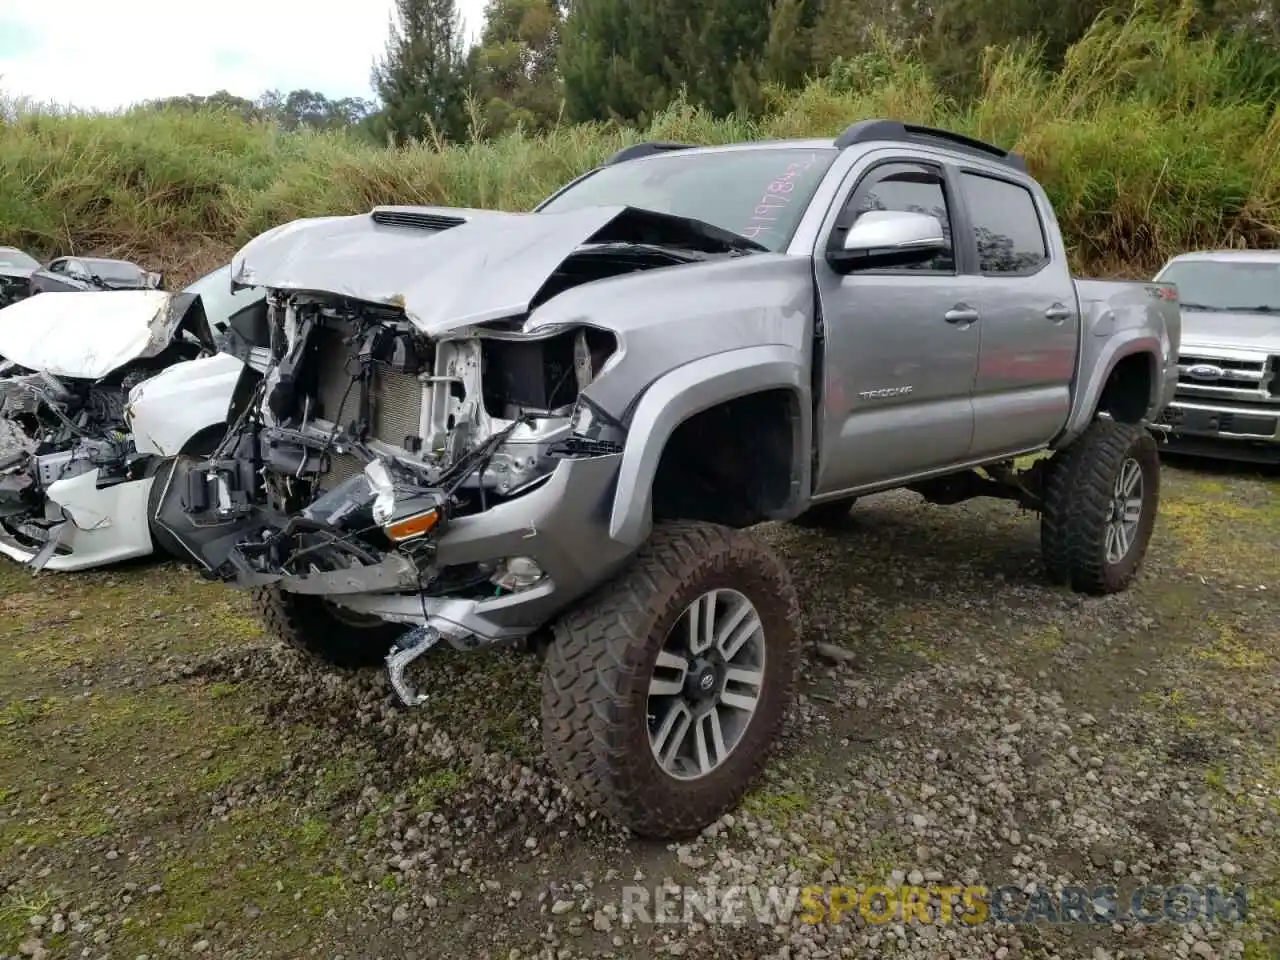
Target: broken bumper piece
{"x":81,"y":526}
{"x":541,"y":547}
{"x":389,"y":574}
{"x":409,"y":647}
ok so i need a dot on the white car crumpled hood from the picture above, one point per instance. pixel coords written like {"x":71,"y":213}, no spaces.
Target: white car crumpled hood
{"x":85,"y":335}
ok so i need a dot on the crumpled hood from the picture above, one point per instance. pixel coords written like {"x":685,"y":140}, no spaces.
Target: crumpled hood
{"x":87,"y":335}
{"x":1232,"y":331}
{"x":447,"y":274}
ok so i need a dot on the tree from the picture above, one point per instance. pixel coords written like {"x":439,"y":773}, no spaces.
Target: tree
{"x":629,"y":58}
{"x":221,"y":101}
{"x":422,"y":79}
{"x":615,"y":58}
{"x":786,"y":49}
{"x":312,"y":109}
{"x":514,"y":65}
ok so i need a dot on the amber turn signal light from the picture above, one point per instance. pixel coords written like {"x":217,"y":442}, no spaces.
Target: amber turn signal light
{"x":416,"y":526}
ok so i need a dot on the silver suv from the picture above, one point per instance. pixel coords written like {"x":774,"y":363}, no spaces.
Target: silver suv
{"x":480,"y":427}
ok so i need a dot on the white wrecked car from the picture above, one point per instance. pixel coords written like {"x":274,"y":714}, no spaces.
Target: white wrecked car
{"x":77,"y":486}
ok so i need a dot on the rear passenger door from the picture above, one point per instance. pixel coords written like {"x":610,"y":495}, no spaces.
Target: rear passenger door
{"x":1030,"y":317}
{"x":900,"y":345}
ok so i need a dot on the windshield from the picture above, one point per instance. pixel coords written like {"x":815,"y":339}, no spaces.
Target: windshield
{"x":216,"y":297}
{"x":758,"y":194}
{"x":114,"y":271}
{"x":9,"y":257}
{"x":1229,"y":285}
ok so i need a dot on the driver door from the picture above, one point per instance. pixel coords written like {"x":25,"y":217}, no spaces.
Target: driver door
{"x":901,"y":345}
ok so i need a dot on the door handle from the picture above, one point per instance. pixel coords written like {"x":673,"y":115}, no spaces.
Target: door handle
{"x":1057,"y":313}
{"x":961,"y":313}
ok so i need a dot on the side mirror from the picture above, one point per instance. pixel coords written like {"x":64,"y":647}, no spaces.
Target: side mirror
{"x":156,"y":280}
{"x":888,"y":238}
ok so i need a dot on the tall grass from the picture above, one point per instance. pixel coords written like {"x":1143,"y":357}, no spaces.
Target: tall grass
{"x":1150,"y":140}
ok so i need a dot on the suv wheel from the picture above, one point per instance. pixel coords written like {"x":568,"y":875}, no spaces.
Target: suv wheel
{"x":1101,"y":497}
{"x":325,"y":631}
{"x":664,"y":693}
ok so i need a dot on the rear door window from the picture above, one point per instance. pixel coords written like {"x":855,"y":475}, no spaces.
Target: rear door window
{"x":1006,"y":226}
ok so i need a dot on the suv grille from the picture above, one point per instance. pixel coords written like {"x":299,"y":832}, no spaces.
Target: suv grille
{"x":1243,"y":379}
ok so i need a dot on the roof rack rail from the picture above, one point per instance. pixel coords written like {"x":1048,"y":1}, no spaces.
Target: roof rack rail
{"x":865,"y":131}
{"x":638,"y":150}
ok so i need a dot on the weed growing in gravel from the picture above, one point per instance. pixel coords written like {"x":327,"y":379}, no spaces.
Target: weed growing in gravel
{"x":1227,"y":648}
{"x":777,"y":808}
{"x":21,"y":713}
{"x":436,"y":788}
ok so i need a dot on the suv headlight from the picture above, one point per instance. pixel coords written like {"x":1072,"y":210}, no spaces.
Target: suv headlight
{"x":380,"y":482}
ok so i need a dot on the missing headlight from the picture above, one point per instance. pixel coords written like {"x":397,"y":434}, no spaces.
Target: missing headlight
{"x":542,"y":376}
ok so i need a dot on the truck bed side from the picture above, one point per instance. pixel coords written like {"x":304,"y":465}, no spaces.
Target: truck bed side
{"x":1128,"y":358}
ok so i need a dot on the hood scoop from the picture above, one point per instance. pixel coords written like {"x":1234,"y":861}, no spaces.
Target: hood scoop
{"x":415,"y":217}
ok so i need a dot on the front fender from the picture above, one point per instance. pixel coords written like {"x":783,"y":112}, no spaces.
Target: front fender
{"x":684,"y":392}
{"x":166,"y":411}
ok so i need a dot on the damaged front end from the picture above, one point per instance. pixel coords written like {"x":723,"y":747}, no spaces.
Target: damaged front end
{"x":365,"y":441}
{"x":453,"y":477}
{"x":68,"y":466}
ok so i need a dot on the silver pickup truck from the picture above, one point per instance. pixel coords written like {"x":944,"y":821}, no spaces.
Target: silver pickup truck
{"x":555,"y":427}
{"x":1227,"y":402}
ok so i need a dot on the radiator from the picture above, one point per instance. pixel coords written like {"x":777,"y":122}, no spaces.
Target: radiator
{"x":397,"y":400}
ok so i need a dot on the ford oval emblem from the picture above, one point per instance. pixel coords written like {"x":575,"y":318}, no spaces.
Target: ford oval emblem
{"x":1207,"y":371}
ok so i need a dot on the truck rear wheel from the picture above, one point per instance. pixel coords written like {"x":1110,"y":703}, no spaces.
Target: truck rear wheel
{"x":324,"y":631}
{"x":663,"y":694}
{"x":1101,"y":497}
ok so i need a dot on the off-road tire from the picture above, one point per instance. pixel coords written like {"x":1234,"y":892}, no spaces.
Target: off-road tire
{"x":596,"y":676}
{"x":310,"y":625}
{"x":824,"y":516}
{"x":1078,"y":494}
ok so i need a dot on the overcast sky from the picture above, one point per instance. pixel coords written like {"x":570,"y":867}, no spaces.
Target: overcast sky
{"x":110,"y":53}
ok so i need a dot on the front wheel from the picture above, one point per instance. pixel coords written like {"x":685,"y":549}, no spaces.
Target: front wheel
{"x":325,"y":631}
{"x":1101,"y":497}
{"x":664,"y":693}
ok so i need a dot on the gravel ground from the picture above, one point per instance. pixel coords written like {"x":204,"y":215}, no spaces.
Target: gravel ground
{"x":172,"y":785}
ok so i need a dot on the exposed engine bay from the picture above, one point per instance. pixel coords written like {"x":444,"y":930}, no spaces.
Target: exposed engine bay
{"x":58,"y":428}
{"x":55,"y":428}
{"x":356,"y":437}
{"x":364,"y":436}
